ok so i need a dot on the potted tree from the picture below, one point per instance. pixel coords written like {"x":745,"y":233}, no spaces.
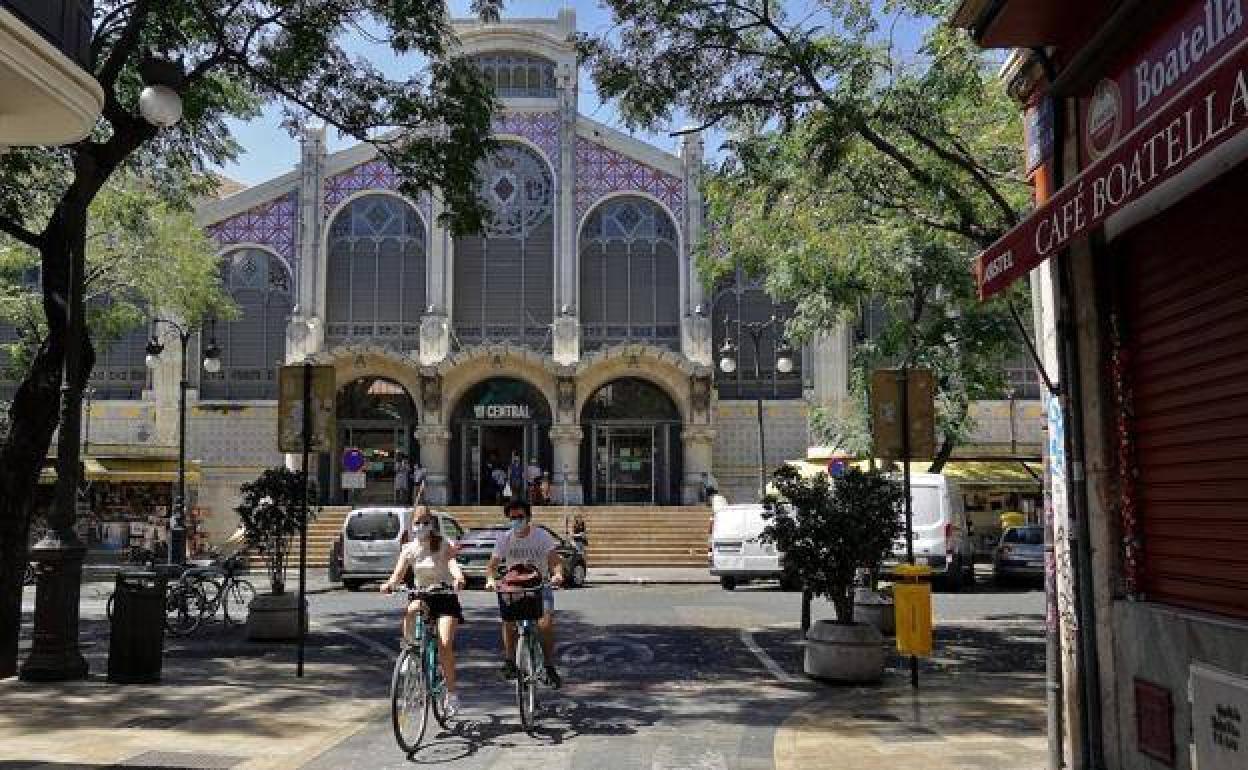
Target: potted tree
{"x":827,"y":530}
{"x":271,"y":512}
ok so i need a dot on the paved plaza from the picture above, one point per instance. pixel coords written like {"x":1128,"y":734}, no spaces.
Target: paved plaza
{"x":658,"y":675}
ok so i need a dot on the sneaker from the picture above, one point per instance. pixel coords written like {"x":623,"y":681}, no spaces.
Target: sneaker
{"x":450,"y":705}
{"x":509,"y":670}
{"x":552,"y":678}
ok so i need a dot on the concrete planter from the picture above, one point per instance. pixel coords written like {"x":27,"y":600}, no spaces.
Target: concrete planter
{"x":876,"y":610}
{"x":842,"y":653}
{"x":274,"y":617}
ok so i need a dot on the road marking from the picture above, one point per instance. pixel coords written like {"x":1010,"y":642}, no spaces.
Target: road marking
{"x":372,"y":644}
{"x":747,"y":638}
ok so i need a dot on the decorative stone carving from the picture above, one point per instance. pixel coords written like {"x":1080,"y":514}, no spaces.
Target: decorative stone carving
{"x":700,"y":392}
{"x":434,"y":339}
{"x":566,"y":388}
{"x":431,"y":391}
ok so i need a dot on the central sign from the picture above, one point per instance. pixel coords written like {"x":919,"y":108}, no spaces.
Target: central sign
{"x":502,"y":412}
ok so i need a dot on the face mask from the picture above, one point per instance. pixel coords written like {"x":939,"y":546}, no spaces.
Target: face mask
{"x":422,"y":529}
{"x":518,"y":524}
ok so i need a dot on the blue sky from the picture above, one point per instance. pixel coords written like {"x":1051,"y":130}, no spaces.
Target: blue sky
{"x":268,"y":150}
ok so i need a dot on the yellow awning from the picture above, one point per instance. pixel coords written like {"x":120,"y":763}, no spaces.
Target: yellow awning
{"x":138,"y":469}
{"x":972,"y":473}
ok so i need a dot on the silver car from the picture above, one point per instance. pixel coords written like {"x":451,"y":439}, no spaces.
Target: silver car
{"x":1020,"y":554}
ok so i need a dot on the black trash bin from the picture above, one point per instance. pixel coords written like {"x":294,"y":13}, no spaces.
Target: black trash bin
{"x":137,"y":634}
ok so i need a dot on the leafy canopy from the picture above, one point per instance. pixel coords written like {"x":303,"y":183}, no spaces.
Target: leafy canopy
{"x":144,"y":255}
{"x":857,"y":173}
{"x":271,"y":513}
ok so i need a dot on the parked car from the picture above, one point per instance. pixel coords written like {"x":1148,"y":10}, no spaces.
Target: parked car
{"x":476,"y":546}
{"x":1020,"y":554}
{"x":371,"y":538}
{"x":737,"y":554}
{"x":942,"y":532}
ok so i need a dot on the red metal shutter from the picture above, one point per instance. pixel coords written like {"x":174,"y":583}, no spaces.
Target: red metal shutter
{"x":1187,"y":321}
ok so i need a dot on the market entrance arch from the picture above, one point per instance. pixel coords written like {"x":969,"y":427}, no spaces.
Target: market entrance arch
{"x":632,"y":451}
{"x":375,"y":448}
{"x":500,"y":440}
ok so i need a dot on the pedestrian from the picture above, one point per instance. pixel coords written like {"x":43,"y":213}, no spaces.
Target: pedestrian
{"x":579,"y":536}
{"x":545,"y":489}
{"x":498,"y":474}
{"x":402,"y":477}
{"x":418,"y":480}
{"x":515,"y":477}
{"x":533,"y":477}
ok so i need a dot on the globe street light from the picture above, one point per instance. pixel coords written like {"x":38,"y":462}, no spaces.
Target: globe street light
{"x":212,"y":365}
{"x":784,"y":364}
{"x":159,"y":102}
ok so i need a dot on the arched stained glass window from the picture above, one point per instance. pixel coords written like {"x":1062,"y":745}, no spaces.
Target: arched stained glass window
{"x":517,"y":75}
{"x":375,"y":289}
{"x":630,"y":275}
{"x":504,"y":279}
{"x":253,"y":345}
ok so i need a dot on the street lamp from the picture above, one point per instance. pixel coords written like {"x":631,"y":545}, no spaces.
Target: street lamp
{"x":159,"y":102}
{"x":784,"y":365}
{"x":212,"y":365}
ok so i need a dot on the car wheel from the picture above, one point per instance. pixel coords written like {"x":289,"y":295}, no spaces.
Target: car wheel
{"x":579,"y":574}
{"x":352,"y":585}
{"x":728,"y":583}
{"x":335,"y":570}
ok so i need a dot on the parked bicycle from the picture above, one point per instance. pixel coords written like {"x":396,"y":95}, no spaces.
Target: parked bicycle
{"x":185,"y":604}
{"x":223,"y":589}
{"x":28,"y":578}
{"x":524,"y":607}
{"x":417,"y":686}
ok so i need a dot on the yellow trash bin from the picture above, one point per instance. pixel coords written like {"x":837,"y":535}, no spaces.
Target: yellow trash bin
{"x":912,"y":595}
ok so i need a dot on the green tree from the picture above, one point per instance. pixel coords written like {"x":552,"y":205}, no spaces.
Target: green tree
{"x":271,"y":513}
{"x":224,"y":58}
{"x":144,"y":255}
{"x":857,"y":172}
{"x":830,"y":529}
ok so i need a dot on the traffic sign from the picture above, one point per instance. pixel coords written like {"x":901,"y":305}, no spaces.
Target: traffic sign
{"x":886,"y":412}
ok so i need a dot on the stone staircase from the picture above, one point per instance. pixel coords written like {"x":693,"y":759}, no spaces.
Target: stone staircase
{"x":619,"y":536}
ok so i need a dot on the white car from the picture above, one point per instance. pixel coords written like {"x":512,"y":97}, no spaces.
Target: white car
{"x":737,"y":553}
{"x":373,"y":537}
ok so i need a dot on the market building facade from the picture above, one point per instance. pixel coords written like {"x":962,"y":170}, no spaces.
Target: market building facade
{"x":1136,"y":114}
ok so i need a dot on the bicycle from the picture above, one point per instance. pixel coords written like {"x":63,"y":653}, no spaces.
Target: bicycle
{"x":184,"y":608}
{"x":229,"y":593}
{"x":418,"y":685}
{"x":524,"y":607}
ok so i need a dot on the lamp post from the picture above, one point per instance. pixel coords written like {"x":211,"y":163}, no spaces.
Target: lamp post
{"x":55,"y":655}
{"x":784,"y":364}
{"x":212,"y":364}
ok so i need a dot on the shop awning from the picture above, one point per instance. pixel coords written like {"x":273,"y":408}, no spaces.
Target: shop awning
{"x":128,"y":469}
{"x":1009,"y":474}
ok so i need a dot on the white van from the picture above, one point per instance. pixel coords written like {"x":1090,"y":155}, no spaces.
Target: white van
{"x":373,"y":537}
{"x":942,"y":536}
{"x":736,"y":553}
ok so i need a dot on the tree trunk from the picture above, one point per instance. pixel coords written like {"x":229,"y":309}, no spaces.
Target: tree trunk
{"x":843,"y":601}
{"x":806,"y":597}
{"x":947,"y":445}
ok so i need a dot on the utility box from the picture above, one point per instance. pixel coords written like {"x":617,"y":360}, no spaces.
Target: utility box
{"x":136,"y":643}
{"x":912,"y":595}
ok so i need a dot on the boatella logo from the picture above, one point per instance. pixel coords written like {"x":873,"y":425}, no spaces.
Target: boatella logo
{"x":1104,"y":121}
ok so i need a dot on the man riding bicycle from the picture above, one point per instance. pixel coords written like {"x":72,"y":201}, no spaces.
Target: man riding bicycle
{"x":526,"y":544}
{"x":431,"y":558}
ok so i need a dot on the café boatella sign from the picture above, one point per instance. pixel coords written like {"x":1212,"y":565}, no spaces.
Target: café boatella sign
{"x":1188,"y":95}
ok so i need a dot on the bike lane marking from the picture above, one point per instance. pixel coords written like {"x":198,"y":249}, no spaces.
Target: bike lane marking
{"x":747,"y":638}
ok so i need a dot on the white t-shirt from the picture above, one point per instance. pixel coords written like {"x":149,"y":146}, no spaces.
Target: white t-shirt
{"x":428,"y":567}
{"x":533,"y":550}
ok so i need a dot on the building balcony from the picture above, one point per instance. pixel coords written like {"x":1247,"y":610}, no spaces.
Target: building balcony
{"x":47,"y":94}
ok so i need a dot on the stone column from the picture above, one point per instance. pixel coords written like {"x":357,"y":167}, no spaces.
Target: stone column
{"x":435,"y":456}
{"x":695,"y":315}
{"x":567,"y":286}
{"x":566,"y":438}
{"x":698,"y":441}
{"x":305,"y":334}
{"x":435,"y":327}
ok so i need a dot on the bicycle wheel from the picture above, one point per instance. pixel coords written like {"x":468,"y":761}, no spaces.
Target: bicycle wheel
{"x":184,"y":607}
{"x":436,"y":682}
{"x":237,"y":600}
{"x":409,"y":700}
{"x":526,"y":678}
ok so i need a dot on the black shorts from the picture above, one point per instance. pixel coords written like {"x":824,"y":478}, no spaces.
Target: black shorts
{"x":444,"y":604}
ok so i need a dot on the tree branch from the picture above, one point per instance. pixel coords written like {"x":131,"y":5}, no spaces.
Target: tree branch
{"x":1007,"y":211}
{"x":15,"y":230}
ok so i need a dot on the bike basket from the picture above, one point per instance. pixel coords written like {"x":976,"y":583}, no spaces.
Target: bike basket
{"x":520,"y":605}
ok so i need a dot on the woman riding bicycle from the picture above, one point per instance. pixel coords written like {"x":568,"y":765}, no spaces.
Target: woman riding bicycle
{"x":431,"y":558}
